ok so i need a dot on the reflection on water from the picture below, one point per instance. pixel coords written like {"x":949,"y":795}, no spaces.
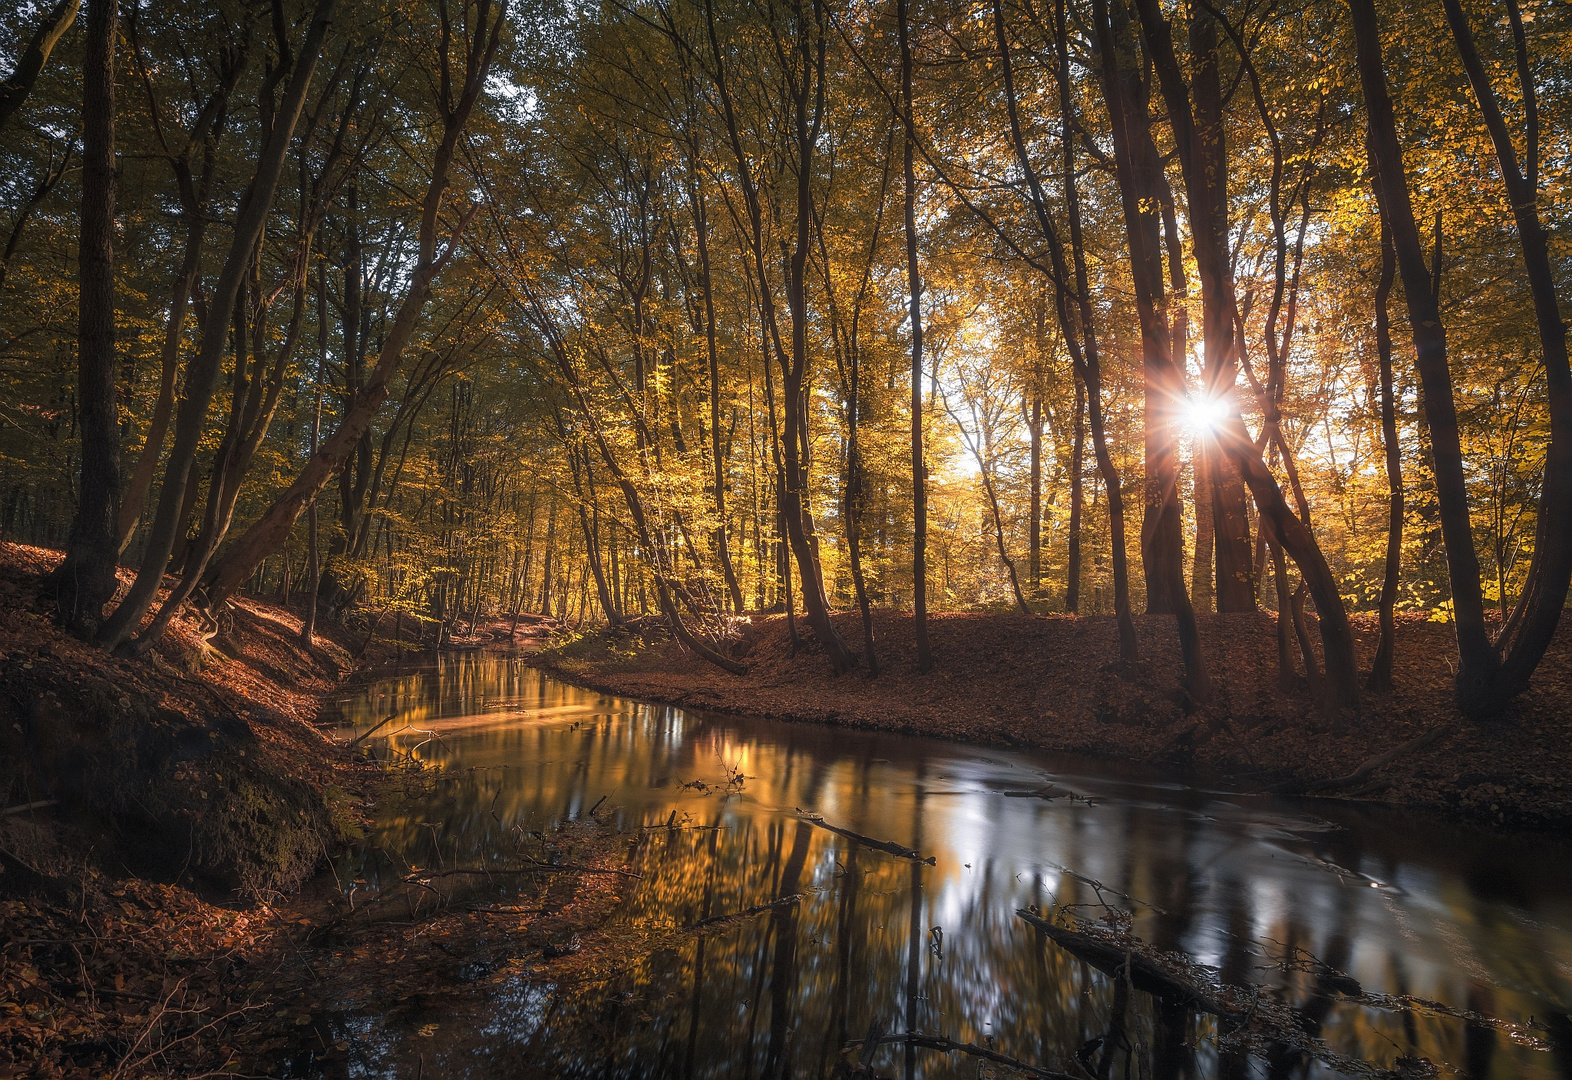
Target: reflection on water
{"x":1407,"y":906}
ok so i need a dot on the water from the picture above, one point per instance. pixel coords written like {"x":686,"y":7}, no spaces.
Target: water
{"x":1471,"y":920}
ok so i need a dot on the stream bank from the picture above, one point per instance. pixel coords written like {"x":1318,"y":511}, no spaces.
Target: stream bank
{"x":160,"y":815}
{"x":1055,"y":683}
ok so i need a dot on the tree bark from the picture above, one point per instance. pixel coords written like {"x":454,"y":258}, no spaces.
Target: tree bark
{"x":202,"y":372}
{"x":141,"y":481}
{"x":914,"y":311}
{"x":1140,"y":176}
{"x":19,"y":84}
{"x":1034,"y":526}
{"x":1381,"y":670}
{"x":701,"y":225}
{"x":1072,"y":585}
{"x":1196,"y":117}
{"x":1526,"y":636}
{"x":86,"y":581}
{"x":1479,"y":664}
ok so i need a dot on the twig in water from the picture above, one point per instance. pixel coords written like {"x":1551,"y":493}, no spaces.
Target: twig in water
{"x":867,"y":841}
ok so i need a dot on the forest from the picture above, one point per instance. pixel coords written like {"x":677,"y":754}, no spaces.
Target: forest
{"x":623,"y":309}
{"x":1182,"y":383}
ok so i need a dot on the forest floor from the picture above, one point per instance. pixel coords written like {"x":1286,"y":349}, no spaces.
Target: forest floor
{"x":157,"y":819}
{"x":1055,"y":683}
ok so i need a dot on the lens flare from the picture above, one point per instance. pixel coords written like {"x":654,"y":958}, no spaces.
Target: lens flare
{"x":1205,"y":413}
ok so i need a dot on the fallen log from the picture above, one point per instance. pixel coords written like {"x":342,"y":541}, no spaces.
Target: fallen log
{"x":1173,"y":979}
{"x":867,"y":841}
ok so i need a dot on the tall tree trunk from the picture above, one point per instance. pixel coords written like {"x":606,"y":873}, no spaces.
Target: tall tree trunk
{"x":313,"y":548}
{"x":85,"y":581}
{"x":1072,"y":584}
{"x":805,"y":124}
{"x":1198,"y":136}
{"x":202,"y":372}
{"x":914,"y":311}
{"x":548,"y":550}
{"x":1479,"y":663}
{"x":1203,"y":478}
{"x":1381,"y":670}
{"x":1203,"y":157}
{"x":1034,"y":527}
{"x":701,"y":225}
{"x":141,"y":481}
{"x":1140,"y":178}
{"x":1527,"y":633}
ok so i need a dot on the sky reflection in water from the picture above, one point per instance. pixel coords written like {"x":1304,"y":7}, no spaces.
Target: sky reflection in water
{"x":1406,"y":905}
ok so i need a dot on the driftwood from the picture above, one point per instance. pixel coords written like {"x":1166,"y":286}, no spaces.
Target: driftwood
{"x":1369,"y":766}
{"x":720,"y":922}
{"x":1250,"y":1017}
{"x":866,"y":841}
{"x":949,"y":1046}
{"x":1170,"y":978}
{"x":364,"y":735}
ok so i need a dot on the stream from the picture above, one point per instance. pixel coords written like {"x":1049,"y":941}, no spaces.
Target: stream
{"x":1474,"y":926}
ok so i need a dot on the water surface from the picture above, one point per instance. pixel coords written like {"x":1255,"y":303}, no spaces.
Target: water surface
{"x":1471,"y":920}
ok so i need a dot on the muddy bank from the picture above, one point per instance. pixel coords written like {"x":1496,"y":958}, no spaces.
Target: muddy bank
{"x":198,"y":762}
{"x":159,"y":816}
{"x":1054,"y":683}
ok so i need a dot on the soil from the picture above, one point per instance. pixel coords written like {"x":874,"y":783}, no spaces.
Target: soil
{"x":157,"y":817}
{"x":1055,"y":683}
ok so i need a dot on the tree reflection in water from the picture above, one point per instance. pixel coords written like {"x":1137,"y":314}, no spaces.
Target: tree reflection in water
{"x":1235,"y":881}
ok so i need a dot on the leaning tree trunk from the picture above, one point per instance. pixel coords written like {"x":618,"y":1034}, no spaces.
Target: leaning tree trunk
{"x":17,"y":85}
{"x":85,"y":582}
{"x":141,"y":480}
{"x":202,"y":371}
{"x":273,"y":528}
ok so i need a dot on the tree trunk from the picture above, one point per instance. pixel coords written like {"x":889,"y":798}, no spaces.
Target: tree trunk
{"x":1527,"y":634}
{"x":701,"y":224}
{"x":85,"y":581}
{"x":1479,"y":663}
{"x":313,"y":548}
{"x":1072,"y":573}
{"x":914,"y":310}
{"x":1381,"y":669}
{"x":202,"y":372}
{"x":1140,"y":178}
{"x":18,"y":84}
{"x":135,"y":496}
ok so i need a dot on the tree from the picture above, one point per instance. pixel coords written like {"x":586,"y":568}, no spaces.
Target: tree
{"x":86,"y":581}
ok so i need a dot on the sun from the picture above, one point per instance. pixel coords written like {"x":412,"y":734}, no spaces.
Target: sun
{"x":1204,"y":413}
